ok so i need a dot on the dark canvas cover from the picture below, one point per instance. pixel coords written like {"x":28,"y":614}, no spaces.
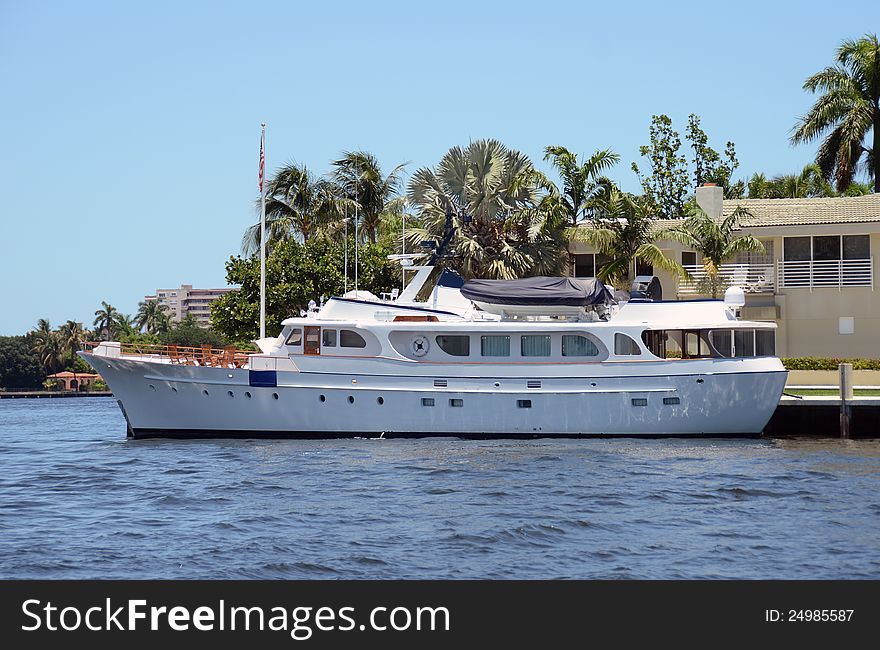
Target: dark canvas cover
{"x":538,"y":291}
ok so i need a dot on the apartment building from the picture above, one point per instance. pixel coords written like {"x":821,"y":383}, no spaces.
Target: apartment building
{"x":185,"y":300}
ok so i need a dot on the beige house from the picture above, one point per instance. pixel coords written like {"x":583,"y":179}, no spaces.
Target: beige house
{"x":185,"y":300}
{"x":815,"y":278}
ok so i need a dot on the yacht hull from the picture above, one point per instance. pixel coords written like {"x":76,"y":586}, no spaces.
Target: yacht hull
{"x":167,"y":400}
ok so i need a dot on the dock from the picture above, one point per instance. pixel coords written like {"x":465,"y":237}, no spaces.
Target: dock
{"x":51,"y":394}
{"x":821,"y":416}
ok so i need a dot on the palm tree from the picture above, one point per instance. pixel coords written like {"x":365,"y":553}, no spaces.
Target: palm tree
{"x":360,"y":179}
{"x":715,"y":241}
{"x":581,"y":183}
{"x":124,"y":324}
{"x":624,"y":229}
{"x":105,"y":321}
{"x":151,"y":316}
{"x":72,"y":336}
{"x":297,"y":206}
{"x":493,"y":195}
{"x":847,"y":111}
{"x":50,"y":350}
{"x":808,"y":184}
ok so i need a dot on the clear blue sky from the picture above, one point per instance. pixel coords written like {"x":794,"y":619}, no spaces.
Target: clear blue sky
{"x":129,"y":132}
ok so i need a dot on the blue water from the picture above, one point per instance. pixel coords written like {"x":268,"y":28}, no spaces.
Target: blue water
{"x":78,"y":500}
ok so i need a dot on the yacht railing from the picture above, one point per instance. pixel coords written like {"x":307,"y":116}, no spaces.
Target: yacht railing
{"x":825,"y":273}
{"x":226,"y":357}
{"x":752,"y":278}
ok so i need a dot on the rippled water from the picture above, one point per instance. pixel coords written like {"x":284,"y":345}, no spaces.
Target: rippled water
{"x":77,"y":500}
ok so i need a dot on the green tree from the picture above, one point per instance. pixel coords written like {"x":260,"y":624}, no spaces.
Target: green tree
{"x":494,"y":195}
{"x":50,"y":351}
{"x":298,"y":206}
{"x":666,"y":186}
{"x":847,"y":111}
{"x":152,"y":317}
{"x":106,"y":321}
{"x":295,"y":274}
{"x":715,"y":241}
{"x":359,"y":177}
{"x":709,"y":165}
{"x":581,"y":182}
{"x":625,"y":231}
{"x":188,"y":332}
{"x":19,"y":367}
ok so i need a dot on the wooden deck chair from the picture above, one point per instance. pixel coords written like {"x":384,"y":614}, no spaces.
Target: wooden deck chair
{"x":175,"y":355}
{"x":207,"y":358}
{"x":227,"y":359}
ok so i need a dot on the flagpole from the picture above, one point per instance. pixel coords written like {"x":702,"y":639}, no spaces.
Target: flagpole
{"x":262,"y":234}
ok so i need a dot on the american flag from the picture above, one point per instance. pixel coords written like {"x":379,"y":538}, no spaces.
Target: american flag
{"x":262,"y":157}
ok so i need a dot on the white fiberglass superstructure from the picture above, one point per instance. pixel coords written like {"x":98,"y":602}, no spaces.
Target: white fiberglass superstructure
{"x":364,"y":366}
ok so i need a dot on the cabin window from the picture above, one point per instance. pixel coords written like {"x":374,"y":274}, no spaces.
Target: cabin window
{"x":695,"y":345}
{"x":312,"y":341}
{"x":765,"y":343}
{"x":655,"y":341}
{"x":722,"y":341}
{"x":535,"y":345}
{"x":495,"y":346}
{"x":328,"y":338}
{"x":295,"y":337}
{"x":351,"y":339}
{"x":575,"y":345}
{"x":455,"y":345}
{"x":744,"y":343}
{"x":625,"y":345}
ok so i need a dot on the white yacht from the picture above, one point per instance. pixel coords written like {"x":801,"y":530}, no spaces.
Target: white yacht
{"x":524,"y":358}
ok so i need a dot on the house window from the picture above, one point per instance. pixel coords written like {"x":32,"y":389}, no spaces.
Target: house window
{"x":328,"y":338}
{"x":688,"y":258}
{"x":584,"y":266}
{"x":836,"y":260}
{"x":796,"y":249}
{"x":351,"y":339}
{"x":535,"y":345}
{"x":856,"y":247}
{"x":295,"y":337}
{"x":575,"y":345}
{"x":643,"y":268}
{"x":455,"y":345}
{"x":625,"y":346}
{"x":495,"y":346}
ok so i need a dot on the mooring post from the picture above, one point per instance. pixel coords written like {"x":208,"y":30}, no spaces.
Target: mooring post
{"x":846,"y":396}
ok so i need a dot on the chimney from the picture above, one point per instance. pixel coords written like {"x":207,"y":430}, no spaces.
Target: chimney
{"x":710,"y":198}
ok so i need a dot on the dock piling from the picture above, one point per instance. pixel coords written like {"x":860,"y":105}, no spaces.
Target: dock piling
{"x":846,"y":396}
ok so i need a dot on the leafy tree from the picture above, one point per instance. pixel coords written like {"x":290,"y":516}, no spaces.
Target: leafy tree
{"x":190,"y":333}
{"x":716,"y":242}
{"x":581,"y":182}
{"x":666,"y":186}
{"x":295,"y":274}
{"x":808,"y":183}
{"x":847,"y":110}
{"x":359,"y":177}
{"x":50,"y":350}
{"x":500,"y":193}
{"x":625,"y":231}
{"x":19,"y":367}
{"x":72,"y":336}
{"x":298,"y":205}
{"x":709,"y":165}
{"x":152,"y":317}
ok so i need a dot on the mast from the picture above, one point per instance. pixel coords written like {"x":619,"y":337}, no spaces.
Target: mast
{"x":262,"y":234}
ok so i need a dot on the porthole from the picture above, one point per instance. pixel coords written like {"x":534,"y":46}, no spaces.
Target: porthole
{"x":380,"y":401}
{"x":592,"y":383}
{"x":205,"y":393}
{"x":247,"y":394}
{"x":274,"y":395}
{"x":524,"y":403}
{"x":230,"y":393}
{"x":351,"y":399}
{"x":323,"y":398}
{"x":173,"y":389}
{"x":700,"y":380}
{"x":152,"y":387}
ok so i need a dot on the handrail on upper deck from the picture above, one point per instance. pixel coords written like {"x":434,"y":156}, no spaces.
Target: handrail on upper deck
{"x":204,"y":355}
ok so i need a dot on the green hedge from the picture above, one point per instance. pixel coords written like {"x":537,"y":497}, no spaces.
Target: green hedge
{"x":826,"y":363}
